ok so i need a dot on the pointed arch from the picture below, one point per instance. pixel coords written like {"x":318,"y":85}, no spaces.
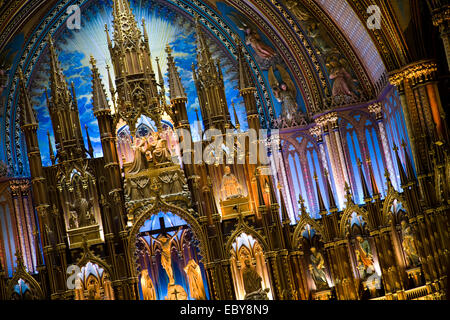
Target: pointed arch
{"x":144,"y":212}
{"x":304,"y":221}
{"x":347,"y":214}
{"x":21,"y":273}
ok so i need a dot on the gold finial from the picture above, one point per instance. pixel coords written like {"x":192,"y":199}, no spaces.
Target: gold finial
{"x":358,"y":162}
{"x":168,"y":49}
{"x":92,"y":61}
{"x":395,"y":148}
{"x":403,"y":145}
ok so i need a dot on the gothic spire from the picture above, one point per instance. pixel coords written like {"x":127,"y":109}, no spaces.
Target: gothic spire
{"x":90,"y":148}
{"x":322,"y":208}
{"x":176,"y":88}
{"x":331,"y":199}
{"x":125,"y":25}
{"x":60,"y":95}
{"x":99,"y":100}
{"x":363,"y":181}
{"x":28,"y":115}
{"x":203,"y":53}
{"x":50,"y":148}
{"x":245,"y":81}
{"x":408,"y":163}
{"x":160,"y":79}
{"x":403,"y":177}
{"x":236,"y":118}
{"x":373,"y":182}
{"x":258,"y":187}
{"x":284,"y":213}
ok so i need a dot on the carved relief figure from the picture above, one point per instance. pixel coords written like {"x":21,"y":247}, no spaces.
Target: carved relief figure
{"x":252,"y":283}
{"x":231,"y":188}
{"x":195,"y":280}
{"x":172,"y":182}
{"x":317,"y":269}
{"x":364,"y":258}
{"x":148,"y":290}
{"x":409,"y":244}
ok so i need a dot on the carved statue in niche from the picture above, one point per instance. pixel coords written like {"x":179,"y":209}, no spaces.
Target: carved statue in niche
{"x":93,"y":289}
{"x":195,"y":280}
{"x":317,"y":269}
{"x":166,"y":258}
{"x":81,"y":208}
{"x":231,"y":188}
{"x":364,"y":258}
{"x":140,"y":161}
{"x":409,"y":244}
{"x":252,"y":283}
{"x":148,"y":290}
{"x":285,"y":92}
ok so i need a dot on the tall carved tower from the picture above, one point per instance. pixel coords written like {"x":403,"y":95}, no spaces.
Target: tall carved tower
{"x":136,"y":85}
{"x":210,"y":86}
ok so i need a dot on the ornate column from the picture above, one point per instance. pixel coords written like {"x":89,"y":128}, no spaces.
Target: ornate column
{"x":317,"y":133}
{"x":424,"y":115}
{"x":274,"y":275}
{"x":337,"y":137}
{"x":377,"y":110}
{"x":441,"y":19}
{"x":336,"y":168}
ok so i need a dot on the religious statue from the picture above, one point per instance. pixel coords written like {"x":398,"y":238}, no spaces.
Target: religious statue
{"x":159,"y":150}
{"x":140,"y":161}
{"x":253,"y":39}
{"x":172,"y":182}
{"x":231,"y":188}
{"x":252,"y":36}
{"x":317,"y":269}
{"x":364,"y":258}
{"x":82,"y":209}
{"x":300,"y":12}
{"x":195,"y":280}
{"x":93,"y":289}
{"x":148,"y":290}
{"x":166,"y":258}
{"x":285,"y":92}
{"x":344,"y":84}
{"x":409,"y":244}
{"x":252,"y":283}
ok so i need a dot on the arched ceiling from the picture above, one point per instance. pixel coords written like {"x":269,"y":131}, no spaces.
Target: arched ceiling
{"x":312,"y":40}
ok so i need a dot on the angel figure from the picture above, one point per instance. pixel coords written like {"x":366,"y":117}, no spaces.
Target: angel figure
{"x":252,"y":36}
{"x":344,"y":84}
{"x":285,"y":92}
{"x":298,"y":10}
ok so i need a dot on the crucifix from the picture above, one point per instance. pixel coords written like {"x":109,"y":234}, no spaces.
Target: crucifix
{"x":165,"y":241}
